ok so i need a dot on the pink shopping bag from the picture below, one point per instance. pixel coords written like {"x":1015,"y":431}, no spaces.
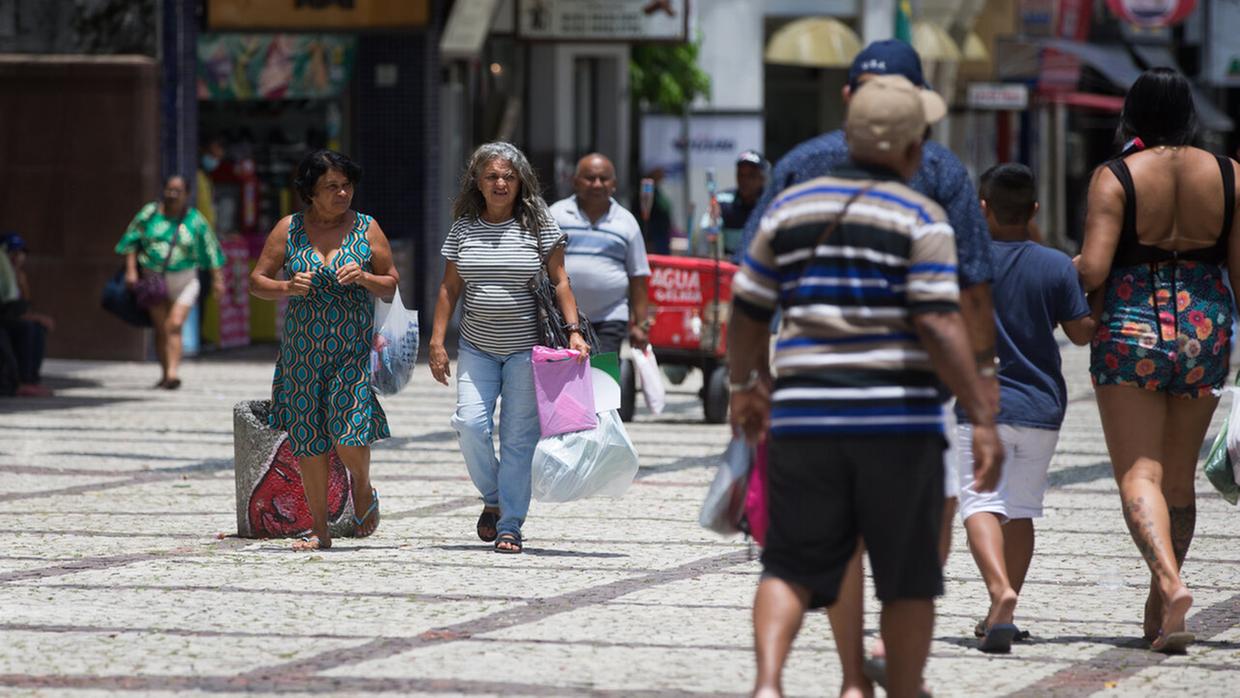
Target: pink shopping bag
{"x":756,"y":515}
{"x":564,"y":391}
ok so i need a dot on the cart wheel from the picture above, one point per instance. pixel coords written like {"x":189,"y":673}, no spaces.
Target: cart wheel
{"x":715,"y":395}
{"x":628,"y":390}
{"x":676,"y":373}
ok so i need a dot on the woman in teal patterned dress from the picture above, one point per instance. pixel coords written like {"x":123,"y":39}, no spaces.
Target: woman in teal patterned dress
{"x":335,"y":262}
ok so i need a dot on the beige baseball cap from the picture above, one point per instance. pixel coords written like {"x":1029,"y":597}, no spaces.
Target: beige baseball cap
{"x":887,"y":113}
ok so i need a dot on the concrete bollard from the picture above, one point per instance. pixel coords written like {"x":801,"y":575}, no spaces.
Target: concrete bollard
{"x":271,"y":502}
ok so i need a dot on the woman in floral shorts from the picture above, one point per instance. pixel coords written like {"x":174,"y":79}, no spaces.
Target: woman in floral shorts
{"x":1143,"y":342}
{"x":1160,"y":226}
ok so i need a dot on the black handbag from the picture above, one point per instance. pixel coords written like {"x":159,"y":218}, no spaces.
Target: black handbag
{"x":551,"y":323}
{"x":120,"y":300}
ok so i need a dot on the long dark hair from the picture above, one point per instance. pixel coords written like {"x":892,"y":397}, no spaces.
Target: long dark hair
{"x":1159,"y":110}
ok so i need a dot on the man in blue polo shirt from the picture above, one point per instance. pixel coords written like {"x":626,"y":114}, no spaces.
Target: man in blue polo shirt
{"x":606,"y":256}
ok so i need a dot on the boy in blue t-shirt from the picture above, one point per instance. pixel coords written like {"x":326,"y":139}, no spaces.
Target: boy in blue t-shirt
{"x":1035,"y":289}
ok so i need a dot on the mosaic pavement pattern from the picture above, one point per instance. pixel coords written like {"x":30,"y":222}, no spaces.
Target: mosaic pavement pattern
{"x":119,"y":575}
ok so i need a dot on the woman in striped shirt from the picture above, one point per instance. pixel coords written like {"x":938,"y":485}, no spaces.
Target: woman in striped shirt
{"x":501,"y":234}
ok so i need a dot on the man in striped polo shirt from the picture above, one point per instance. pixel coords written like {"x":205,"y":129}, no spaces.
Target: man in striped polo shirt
{"x":864,"y":270}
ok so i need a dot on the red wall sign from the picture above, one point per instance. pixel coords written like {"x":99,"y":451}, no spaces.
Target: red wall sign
{"x":1152,"y":13}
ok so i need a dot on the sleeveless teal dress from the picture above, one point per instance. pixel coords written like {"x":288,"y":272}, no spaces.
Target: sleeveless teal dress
{"x":321,"y":392}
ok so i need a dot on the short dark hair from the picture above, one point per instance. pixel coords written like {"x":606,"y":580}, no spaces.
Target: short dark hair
{"x":1159,"y":110}
{"x":1010,"y":192}
{"x":317,"y":164}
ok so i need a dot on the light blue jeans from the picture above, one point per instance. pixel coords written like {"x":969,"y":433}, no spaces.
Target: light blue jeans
{"x":482,"y":379}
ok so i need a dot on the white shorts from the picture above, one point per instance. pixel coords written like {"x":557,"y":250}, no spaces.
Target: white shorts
{"x":951,"y":481}
{"x":183,"y":286}
{"x":1027,"y":454}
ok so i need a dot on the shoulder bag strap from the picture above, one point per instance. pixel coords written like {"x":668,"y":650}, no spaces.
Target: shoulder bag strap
{"x":833,"y":225}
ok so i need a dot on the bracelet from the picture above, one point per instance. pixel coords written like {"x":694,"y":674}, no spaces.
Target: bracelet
{"x":748,"y":385}
{"x":571,"y":327}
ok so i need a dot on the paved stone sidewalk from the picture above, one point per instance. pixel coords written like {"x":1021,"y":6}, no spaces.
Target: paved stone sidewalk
{"x":113,"y":578}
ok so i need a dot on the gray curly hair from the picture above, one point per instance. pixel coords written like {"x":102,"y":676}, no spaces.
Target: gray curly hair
{"x":530,"y":210}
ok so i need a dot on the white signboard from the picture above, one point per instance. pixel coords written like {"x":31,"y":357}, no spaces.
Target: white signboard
{"x":1222,"y":64}
{"x":989,"y":95}
{"x":593,"y":20}
{"x":715,"y":141}
{"x":467,"y":28}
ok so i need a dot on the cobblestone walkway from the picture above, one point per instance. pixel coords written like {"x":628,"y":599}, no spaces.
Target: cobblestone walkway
{"x":116,"y":578}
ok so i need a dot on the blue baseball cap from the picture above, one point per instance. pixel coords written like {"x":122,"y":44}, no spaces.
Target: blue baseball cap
{"x":887,"y":57}
{"x":13,"y":242}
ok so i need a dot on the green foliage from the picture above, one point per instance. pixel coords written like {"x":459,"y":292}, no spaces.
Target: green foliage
{"x":667,"y":77}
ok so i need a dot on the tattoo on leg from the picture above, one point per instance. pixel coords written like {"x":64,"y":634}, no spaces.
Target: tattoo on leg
{"x":1183,"y":523}
{"x":1141,"y":526}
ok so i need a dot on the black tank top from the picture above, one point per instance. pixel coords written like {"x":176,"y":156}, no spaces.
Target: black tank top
{"x":1131,"y":251}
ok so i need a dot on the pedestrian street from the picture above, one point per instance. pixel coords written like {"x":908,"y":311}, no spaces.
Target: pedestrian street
{"x":122,"y":574}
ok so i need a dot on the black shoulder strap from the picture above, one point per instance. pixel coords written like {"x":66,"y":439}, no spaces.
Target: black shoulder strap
{"x":1128,"y":233}
{"x":1229,"y":196}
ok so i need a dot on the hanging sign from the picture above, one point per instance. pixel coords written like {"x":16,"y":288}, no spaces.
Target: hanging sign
{"x":1152,"y":13}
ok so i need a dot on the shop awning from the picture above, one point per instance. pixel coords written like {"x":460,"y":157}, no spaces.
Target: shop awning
{"x":934,"y":43}
{"x":818,"y":42}
{"x":1210,"y":116}
{"x":1112,"y":60}
{"x":974,"y":50}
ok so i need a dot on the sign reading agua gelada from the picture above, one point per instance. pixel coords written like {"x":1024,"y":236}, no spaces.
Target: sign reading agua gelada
{"x":317,"y":15}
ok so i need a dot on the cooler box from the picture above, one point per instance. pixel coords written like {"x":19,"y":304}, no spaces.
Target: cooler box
{"x":687,"y":315}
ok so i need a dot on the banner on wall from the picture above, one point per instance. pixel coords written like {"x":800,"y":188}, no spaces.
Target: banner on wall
{"x":715,"y":141}
{"x":274,"y":66}
{"x":322,"y":15}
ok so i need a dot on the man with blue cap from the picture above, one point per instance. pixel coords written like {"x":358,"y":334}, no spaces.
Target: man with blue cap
{"x":943,"y":178}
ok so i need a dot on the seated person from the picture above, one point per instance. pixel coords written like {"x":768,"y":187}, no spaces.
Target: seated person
{"x":26,"y":329}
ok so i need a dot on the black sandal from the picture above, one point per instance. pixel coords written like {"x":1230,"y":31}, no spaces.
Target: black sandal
{"x":512,"y":539}
{"x":487,"y":524}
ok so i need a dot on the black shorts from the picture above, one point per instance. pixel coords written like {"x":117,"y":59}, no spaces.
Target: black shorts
{"x":611,"y":334}
{"x":826,"y":492}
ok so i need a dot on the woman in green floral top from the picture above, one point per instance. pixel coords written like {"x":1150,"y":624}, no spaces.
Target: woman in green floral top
{"x":171,"y":226}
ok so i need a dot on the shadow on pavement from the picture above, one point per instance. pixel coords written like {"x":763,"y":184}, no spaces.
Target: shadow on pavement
{"x":537,"y":552}
{"x":17,"y":405}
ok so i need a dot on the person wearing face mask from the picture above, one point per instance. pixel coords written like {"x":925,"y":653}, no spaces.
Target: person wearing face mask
{"x":172,"y":240}
{"x":208,"y":163}
{"x":336,"y":261}
{"x":606,"y":256}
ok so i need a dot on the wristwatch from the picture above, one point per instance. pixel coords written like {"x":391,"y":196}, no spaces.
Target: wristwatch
{"x":988,"y":369}
{"x":754,"y":377}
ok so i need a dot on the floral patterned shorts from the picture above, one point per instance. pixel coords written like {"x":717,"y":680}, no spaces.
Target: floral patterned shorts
{"x":1144,"y":341}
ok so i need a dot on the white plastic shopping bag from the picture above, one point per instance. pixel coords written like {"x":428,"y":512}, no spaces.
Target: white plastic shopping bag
{"x":652,"y":379}
{"x":394,"y":347}
{"x":591,"y":463}
{"x":1233,"y":434}
{"x":725,"y":500}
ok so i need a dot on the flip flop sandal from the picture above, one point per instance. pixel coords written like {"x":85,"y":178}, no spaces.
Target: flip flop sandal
{"x":318,"y":545}
{"x":875,"y":669}
{"x":488,"y":521}
{"x":372,"y":511}
{"x":1175,"y":643}
{"x":979,"y":631}
{"x":998,"y":638}
{"x":512,"y":539}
